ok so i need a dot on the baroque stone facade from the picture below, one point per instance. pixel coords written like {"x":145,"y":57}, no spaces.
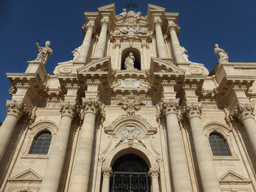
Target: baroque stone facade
{"x":130,"y":91}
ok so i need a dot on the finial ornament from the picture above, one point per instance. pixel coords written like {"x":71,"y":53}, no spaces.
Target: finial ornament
{"x":129,"y":62}
{"x":221,"y":54}
{"x":44,"y":52}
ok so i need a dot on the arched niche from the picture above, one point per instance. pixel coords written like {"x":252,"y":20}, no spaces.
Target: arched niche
{"x":136,"y":54}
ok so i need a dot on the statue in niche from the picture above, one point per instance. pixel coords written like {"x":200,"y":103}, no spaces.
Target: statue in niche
{"x":124,"y":13}
{"x":44,"y":52}
{"x":221,"y":54}
{"x":129,"y":62}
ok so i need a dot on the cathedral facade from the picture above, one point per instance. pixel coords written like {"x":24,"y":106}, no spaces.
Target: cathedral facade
{"x":130,"y":112}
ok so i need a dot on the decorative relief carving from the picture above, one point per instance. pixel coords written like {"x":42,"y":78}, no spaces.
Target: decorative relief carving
{"x":131,"y":103}
{"x":193,"y":109}
{"x":244,"y":111}
{"x":104,"y":21}
{"x":169,"y":107}
{"x":16,"y":108}
{"x":67,"y":109}
{"x":130,"y":133}
{"x":157,"y":21}
{"x":130,"y":83}
{"x":12,"y":90}
{"x":132,"y":31}
{"x":153,"y":173}
{"x":32,"y":115}
{"x":107,"y":172}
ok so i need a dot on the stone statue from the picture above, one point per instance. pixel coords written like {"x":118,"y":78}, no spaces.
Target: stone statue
{"x":138,"y":15}
{"x":184,"y":53}
{"x":221,"y":54}
{"x":129,"y":62}
{"x":124,"y":13}
{"x":44,"y":52}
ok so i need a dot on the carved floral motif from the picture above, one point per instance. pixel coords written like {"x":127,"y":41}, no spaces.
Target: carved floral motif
{"x":67,"y":109}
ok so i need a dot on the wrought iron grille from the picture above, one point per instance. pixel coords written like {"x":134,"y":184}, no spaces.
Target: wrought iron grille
{"x":130,"y":182}
{"x":41,"y":143}
{"x":219,"y":145}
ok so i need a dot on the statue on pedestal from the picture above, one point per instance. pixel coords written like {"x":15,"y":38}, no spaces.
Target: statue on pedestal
{"x":44,"y":52}
{"x":129,"y":62}
{"x":221,"y":54}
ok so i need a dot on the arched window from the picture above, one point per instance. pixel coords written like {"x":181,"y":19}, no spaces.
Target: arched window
{"x":219,"y":145}
{"x":41,"y":143}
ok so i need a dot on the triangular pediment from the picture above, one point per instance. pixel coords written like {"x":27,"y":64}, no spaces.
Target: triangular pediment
{"x":96,"y":66}
{"x":107,"y":8}
{"x":27,"y":175}
{"x":155,"y":8}
{"x":162,"y":66}
{"x":232,"y":177}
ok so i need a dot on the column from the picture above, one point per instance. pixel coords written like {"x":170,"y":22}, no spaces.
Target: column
{"x":144,"y":48}
{"x":14,"y":111}
{"x":103,"y":37}
{"x":159,"y":38}
{"x":53,"y":171}
{"x":178,"y":160}
{"x":154,"y":174}
{"x":106,"y":179}
{"x":175,"y":43}
{"x":82,"y":164}
{"x":117,"y":47}
{"x":86,"y":43}
{"x":203,"y":152}
{"x":245,"y":114}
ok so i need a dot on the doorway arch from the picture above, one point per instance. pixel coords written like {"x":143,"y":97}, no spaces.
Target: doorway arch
{"x":130,"y":173}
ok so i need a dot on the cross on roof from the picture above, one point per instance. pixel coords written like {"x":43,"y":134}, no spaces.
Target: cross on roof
{"x":131,"y":5}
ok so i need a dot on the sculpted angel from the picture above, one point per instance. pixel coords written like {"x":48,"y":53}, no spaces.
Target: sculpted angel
{"x":44,"y":52}
{"x":129,"y":62}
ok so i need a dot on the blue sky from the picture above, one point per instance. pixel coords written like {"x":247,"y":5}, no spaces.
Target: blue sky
{"x":231,"y":24}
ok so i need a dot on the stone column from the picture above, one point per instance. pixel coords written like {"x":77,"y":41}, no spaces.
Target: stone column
{"x":14,"y":111}
{"x":175,"y":43}
{"x":159,"y":38}
{"x":144,"y":48}
{"x":203,"y":152}
{"x":178,"y":160}
{"x":86,"y":43}
{"x":245,"y":114}
{"x":106,"y":179}
{"x":103,"y":37}
{"x":117,"y":47}
{"x":82,"y":164}
{"x":53,"y":171}
{"x":154,"y":174}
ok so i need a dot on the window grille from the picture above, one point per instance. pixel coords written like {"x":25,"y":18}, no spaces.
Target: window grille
{"x":41,"y":143}
{"x":219,"y":145}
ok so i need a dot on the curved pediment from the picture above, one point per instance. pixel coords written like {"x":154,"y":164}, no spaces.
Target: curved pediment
{"x":137,"y":121}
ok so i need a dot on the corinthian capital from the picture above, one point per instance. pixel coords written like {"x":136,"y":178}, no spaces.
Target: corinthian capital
{"x":193,"y":109}
{"x":244,"y":111}
{"x":15,"y":108}
{"x":157,"y":21}
{"x":153,"y":173}
{"x":93,"y":106}
{"x":104,"y":21}
{"x":169,"y":107}
{"x":107,"y":172}
{"x":68,"y":109}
